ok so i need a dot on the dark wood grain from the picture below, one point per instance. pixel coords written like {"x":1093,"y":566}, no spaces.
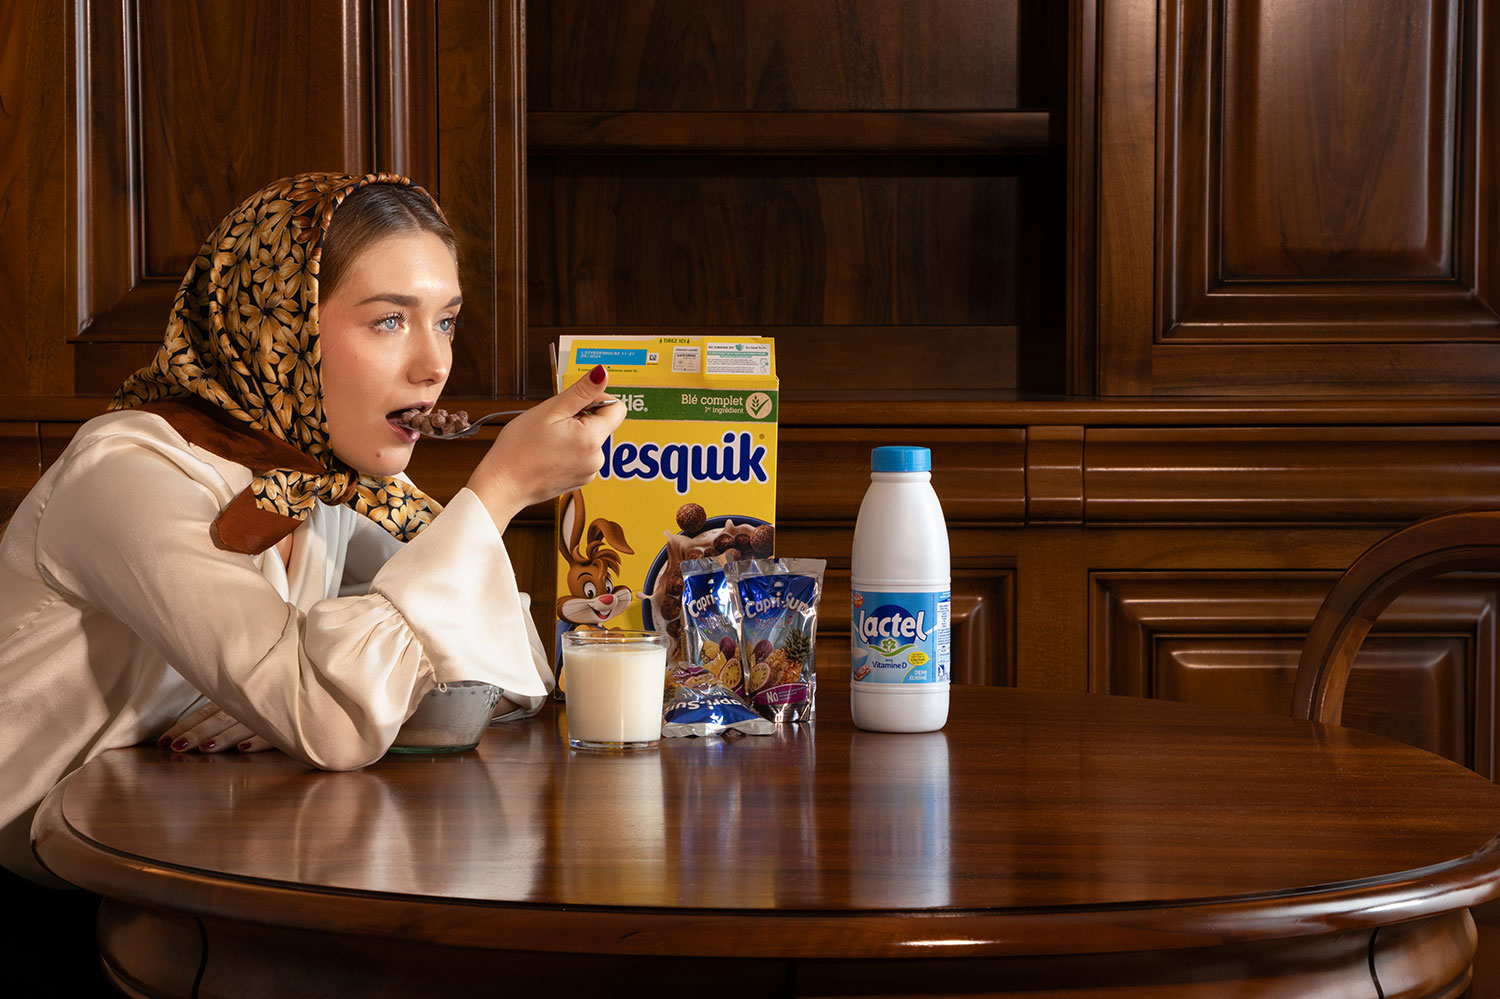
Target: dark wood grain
{"x":751,"y":132}
{"x":1358,"y":183}
{"x":105,"y":245}
{"x":34,"y":201}
{"x":13,"y":191}
{"x":1091,"y":824}
{"x":1244,"y":473}
{"x":882,"y":236}
{"x":1081,"y":302}
{"x":211,"y":78}
{"x":1421,"y":959}
{"x":1054,"y":474}
{"x":405,"y":71}
{"x":482,"y":184}
{"x":525,"y":820}
{"x":1233,"y":639}
{"x":182,"y":112}
{"x":20,"y":465}
{"x":728,"y":55}
{"x":1125,"y":193}
{"x":99,"y":369}
{"x":771,"y":241}
{"x":1316,"y":228}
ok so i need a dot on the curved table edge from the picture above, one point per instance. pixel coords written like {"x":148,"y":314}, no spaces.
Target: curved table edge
{"x":1410,"y":895}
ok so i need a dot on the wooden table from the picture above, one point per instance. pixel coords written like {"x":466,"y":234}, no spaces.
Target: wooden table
{"x":1042,"y":844}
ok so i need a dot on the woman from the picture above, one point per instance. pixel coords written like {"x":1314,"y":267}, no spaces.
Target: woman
{"x":238,"y":530}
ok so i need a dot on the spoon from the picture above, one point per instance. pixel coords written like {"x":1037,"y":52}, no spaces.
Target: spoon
{"x":474,"y":425}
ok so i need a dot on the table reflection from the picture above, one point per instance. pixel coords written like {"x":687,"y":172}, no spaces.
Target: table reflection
{"x":898,"y":807}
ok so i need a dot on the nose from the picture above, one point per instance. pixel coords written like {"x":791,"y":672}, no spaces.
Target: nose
{"x":430,"y":361}
{"x":606,"y":598}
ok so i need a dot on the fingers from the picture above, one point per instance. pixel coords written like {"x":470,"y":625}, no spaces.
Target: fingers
{"x":178,"y":733}
{"x":590,"y":387}
{"x":205,"y":734}
{"x":549,"y":449}
{"x":210,"y":730}
{"x":587,"y":392}
{"x":605,"y":421}
{"x":228,"y":738}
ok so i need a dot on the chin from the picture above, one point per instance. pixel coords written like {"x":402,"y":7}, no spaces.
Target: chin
{"x":379,"y":462}
{"x":389,"y":466}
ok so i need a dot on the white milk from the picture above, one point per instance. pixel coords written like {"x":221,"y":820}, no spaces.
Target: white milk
{"x":614,"y":692}
{"x":902,"y":598}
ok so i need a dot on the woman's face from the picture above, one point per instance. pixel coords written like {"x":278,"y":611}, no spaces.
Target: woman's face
{"x":386,"y":335}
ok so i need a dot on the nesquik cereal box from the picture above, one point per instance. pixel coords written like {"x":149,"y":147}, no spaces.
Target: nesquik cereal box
{"x":691,"y":473}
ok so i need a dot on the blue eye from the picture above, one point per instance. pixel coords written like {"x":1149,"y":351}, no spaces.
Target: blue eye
{"x":391,"y":322}
{"x":448,"y":326}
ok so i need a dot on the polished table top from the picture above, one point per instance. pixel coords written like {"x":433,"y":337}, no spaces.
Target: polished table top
{"x":1031,"y":817}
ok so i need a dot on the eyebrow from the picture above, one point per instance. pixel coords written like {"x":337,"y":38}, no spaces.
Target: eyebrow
{"x":409,"y":301}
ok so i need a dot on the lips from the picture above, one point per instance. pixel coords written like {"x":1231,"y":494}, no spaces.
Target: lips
{"x":393,"y":419}
{"x":407,"y":434}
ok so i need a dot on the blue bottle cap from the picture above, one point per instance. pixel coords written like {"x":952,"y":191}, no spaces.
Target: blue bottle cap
{"x":901,"y":458}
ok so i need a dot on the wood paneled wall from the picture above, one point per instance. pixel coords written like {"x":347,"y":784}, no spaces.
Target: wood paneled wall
{"x":1192,"y":301}
{"x":1319,"y":182}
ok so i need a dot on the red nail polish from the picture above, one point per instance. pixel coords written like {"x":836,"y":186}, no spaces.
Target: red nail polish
{"x":597,"y":375}
{"x":163,"y":742}
{"x":244,"y":747}
{"x":180,"y":744}
{"x":205,"y":747}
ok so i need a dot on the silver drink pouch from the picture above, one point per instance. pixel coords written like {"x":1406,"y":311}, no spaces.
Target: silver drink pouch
{"x":777,"y":605}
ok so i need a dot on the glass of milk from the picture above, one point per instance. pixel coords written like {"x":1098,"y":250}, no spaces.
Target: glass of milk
{"x":615,"y":688}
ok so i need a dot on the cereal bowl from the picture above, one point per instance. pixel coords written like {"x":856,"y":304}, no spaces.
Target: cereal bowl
{"x":451,"y":718}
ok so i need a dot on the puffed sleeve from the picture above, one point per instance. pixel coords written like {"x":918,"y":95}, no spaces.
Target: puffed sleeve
{"x":127,"y":531}
{"x":371,"y":547}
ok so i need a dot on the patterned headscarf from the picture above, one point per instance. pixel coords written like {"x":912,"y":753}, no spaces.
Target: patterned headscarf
{"x":243,"y":338}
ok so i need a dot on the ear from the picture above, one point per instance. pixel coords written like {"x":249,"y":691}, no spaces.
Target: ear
{"x":570,"y":525}
{"x":612,"y":533}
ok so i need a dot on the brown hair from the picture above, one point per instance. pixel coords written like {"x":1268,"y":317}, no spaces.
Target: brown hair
{"x":370,"y":214}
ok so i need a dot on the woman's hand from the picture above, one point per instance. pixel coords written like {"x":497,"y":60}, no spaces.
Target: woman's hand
{"x":547,"y":450}
{"x":210,"y":730}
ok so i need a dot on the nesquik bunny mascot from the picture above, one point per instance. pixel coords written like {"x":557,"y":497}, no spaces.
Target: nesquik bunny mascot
{"x":593,"y":558}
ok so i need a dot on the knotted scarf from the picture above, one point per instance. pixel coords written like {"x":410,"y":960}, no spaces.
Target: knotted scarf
{"x":238,"y":370}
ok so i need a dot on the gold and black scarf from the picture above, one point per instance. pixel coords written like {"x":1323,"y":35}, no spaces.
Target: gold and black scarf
{"x":238,"y":370}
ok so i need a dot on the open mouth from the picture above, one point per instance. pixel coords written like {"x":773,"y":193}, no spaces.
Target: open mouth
{"x":397,"y":418}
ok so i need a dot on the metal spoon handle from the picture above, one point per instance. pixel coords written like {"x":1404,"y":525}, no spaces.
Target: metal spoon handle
{"x":474,"y":425}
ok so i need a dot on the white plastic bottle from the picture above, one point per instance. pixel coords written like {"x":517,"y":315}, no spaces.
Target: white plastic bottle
{"x":899,"y":642}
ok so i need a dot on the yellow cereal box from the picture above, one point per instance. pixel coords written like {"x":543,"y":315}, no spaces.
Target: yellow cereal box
{"x":690,"y":473}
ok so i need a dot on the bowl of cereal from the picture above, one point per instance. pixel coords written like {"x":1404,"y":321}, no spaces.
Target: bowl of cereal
{"x":451,"y":717}
{"x":730,"y":536}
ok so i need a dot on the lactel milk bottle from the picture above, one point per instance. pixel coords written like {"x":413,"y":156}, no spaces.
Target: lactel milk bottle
{"x":899,"y":642}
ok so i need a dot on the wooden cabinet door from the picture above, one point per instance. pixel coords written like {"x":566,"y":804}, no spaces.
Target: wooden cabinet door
{"x":183,"y":111}
{"x":1320,"y":186}
{"x":1426,"y":675}
{"x":141,"y":125}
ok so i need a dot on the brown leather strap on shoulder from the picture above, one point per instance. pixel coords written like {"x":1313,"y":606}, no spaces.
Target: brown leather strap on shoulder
{"x":242,"y":526}
{"x":214,"y":430}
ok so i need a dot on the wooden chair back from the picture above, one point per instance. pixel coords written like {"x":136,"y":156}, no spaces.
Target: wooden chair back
{"x":1447,"y":542}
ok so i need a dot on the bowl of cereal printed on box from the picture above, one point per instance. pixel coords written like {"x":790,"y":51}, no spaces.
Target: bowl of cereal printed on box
{"x":729,"y":537}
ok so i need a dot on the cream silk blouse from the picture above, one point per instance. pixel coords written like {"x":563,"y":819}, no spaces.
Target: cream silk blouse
{"x":117,"y":612}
